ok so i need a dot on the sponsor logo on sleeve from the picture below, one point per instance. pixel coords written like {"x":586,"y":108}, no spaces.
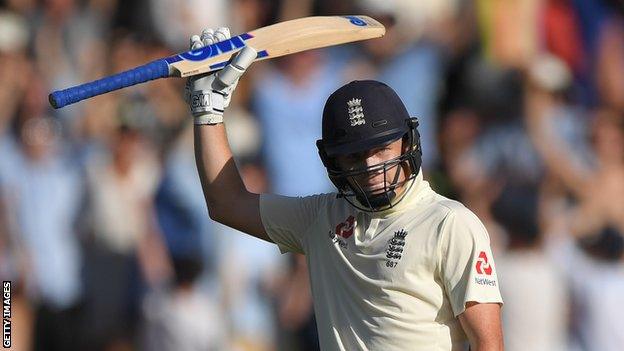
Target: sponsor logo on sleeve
{"x":483,"y":267}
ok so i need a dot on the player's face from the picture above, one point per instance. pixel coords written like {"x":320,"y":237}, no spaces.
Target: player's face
{"x":375,"y":180}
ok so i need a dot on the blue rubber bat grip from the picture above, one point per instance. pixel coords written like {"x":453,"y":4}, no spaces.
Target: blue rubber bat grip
{"x":153,"y":70}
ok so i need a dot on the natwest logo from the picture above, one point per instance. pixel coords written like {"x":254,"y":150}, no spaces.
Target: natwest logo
{"x":345,"y":229}
{"x":482,"y":264}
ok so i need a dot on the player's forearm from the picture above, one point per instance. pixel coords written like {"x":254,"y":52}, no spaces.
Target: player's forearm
{"x":481,"y":323}
{"x":487,"y":345}
{"x":221,"y":181}
{"x":549,"y":145}
{"x":491,"y":340}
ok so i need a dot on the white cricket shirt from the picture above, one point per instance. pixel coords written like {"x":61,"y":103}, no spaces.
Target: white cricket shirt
{"x":388,"y":281}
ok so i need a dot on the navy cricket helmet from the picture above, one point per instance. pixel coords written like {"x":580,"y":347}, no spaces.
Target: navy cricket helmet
{"x":361,"y":116}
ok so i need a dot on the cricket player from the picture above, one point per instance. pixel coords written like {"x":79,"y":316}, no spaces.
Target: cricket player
{"x":393,"y":265}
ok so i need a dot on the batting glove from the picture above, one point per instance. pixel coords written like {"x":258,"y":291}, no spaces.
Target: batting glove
{"x":208,"y":95}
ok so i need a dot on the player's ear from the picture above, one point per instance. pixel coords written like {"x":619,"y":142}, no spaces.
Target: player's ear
{"x":322,"y":153}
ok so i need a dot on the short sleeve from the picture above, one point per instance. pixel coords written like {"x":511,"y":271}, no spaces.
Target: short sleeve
{"x":466,"y":262}
{"x":287,"y":219}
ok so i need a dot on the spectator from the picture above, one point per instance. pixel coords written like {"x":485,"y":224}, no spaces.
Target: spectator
{"x":536,"y":299}
{"x":124,"y":250}
{"x":182,"y":317}
{"x":43,"y":191}
{"x":288,"y":103}
{"x":596,"y":216}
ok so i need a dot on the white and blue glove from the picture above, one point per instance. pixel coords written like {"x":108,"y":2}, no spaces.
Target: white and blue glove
{"x":208,"y":95}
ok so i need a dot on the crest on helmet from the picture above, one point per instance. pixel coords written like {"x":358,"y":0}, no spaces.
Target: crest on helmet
{"x":356,"y":112}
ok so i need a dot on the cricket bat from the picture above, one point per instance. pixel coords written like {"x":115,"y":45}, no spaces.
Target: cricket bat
{"x":276,"y":40}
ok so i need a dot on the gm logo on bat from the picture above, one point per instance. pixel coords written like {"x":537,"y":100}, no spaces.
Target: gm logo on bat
{"x":234,"y":43}
{"x":219,"y":48}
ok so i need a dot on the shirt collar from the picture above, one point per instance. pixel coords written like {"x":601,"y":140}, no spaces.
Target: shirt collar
{"x":417,"y":188}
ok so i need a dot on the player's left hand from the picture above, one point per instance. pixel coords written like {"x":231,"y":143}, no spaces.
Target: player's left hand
{"x":208,"y":95}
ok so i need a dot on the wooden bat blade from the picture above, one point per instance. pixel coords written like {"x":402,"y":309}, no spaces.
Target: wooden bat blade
{"x":277,"y":40}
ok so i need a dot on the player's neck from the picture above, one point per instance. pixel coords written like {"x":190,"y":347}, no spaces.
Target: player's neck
{"x":409,"y":194}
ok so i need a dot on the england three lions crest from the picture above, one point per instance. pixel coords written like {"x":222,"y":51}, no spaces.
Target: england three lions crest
{"x":356,"y":112}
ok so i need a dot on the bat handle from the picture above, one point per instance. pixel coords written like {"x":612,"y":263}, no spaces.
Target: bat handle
{"x":153,"y":70}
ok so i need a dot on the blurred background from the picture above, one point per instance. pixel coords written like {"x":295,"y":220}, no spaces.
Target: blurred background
{"x":103,"y":227}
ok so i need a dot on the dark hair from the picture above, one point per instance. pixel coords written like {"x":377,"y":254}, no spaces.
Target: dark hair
{"x":606,"y":245}
{"x":187,"y":270}
{"x":516,"y":209}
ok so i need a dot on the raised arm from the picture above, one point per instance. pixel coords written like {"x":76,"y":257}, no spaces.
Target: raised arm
{"x":551,"y":148}
{"x":228,"y":200}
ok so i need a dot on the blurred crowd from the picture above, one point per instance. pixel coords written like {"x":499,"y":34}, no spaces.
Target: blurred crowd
{"x":103,"y":227}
